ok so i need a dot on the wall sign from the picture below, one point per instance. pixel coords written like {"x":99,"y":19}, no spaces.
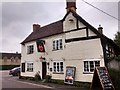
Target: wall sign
{"x":70,"y":75}
{"x":101,"y":79}
{"x":40,"y":45}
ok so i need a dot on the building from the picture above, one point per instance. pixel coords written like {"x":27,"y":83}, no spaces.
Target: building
{"x":70,"y":42}
{"x":10,"y":59}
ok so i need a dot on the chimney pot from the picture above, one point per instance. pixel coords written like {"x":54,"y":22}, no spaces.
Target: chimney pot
{"x":100,"y":29}
{"x":36,"y":27}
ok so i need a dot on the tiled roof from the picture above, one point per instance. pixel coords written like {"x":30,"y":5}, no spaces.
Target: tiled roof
{"x":9,"y":55}
{"x":48,"y":30}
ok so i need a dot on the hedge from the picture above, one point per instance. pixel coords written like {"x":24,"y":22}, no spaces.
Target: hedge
{"x":8,"y":67}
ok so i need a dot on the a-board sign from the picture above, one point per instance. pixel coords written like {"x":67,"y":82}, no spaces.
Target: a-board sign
{"x":70,"y":75}
{"x":101,"y":79}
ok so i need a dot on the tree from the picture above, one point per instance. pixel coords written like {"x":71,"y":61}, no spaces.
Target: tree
{"x":117,"y":41}
{"x":117,"y":38}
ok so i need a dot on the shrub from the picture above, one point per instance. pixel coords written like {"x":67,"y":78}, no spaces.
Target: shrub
{"x":26,"y":78}
{"x":81,"y":84}
{"x":37,"y":77}
{"x":115,"y":77}
{"x":48,"y":78}
{"x":57,"y":81}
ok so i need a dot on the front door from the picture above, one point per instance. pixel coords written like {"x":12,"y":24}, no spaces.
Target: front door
{"x":43,"y":70}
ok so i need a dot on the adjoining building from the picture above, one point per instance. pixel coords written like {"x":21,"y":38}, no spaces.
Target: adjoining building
{"x":9,"y":60}
{"x":69,"y":42}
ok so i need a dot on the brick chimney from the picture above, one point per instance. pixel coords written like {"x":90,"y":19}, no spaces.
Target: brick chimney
{"x":36,"y":27}
{"x":71,"y":5}
{"x":100,"y":29}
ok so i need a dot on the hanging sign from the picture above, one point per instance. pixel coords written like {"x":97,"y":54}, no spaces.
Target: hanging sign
{"x":101,"y":79}
{"x":40,"y":45}
{"x":70,"y":75}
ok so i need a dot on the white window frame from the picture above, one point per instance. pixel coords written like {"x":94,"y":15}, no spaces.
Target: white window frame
{"x":30,"y":49}
{"x":30,"y":66}
{"x":61,"y":70}
{"x":58,"y":44}
{"x":89,"y":68}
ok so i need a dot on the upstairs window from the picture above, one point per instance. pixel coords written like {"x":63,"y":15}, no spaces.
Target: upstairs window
{"x":30,"y":49}
{"x":57,"y":44}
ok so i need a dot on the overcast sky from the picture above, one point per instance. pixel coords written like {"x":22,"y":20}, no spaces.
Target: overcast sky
{"x":18,"y":17}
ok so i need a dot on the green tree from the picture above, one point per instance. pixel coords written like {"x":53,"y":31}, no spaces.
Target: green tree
{"x":117,"y":38}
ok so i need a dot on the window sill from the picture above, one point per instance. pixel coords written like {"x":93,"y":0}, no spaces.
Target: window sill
{"x":29,"y":53}
{"x":29,"y":71}
{"x":88,"y":72}
{"x":58,"y":73}
{"x":56,"y":49}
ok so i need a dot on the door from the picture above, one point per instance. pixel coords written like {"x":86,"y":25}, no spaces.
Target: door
{"x":44,"y":70}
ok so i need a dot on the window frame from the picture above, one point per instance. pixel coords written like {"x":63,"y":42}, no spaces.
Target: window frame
{"x":58,"y":66}
{"x":30,"y":66}
{"x":57,"y":44}
{"x":30,"y":49}
{"x":89,"y":69}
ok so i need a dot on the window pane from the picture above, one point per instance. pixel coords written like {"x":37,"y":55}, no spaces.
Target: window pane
{"x":91,"y":66}
{"x":53,"y":45}
{"x":58,"y":67}
{"x":57,"y":44}
{"x":60,"y":41}
{"x":86,"y":68}
{"x":97,"y":63}
{"x":61,"y":66}
{"x":54,"y":66}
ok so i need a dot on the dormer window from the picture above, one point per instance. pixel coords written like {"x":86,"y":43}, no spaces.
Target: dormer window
{"x":57,"y":44}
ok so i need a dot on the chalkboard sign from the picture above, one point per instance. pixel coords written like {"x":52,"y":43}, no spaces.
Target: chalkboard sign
{"x":101,"y":79}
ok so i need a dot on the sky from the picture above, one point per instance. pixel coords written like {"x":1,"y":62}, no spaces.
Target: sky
{"x":17,"y":18}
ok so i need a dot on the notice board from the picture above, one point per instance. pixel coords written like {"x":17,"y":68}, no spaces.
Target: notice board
{"x":101,"y":79}
{"x":70,"y":75}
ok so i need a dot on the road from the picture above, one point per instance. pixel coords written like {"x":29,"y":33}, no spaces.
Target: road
{"x":11,"y":82}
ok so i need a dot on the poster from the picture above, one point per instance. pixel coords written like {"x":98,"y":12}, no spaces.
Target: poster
{"x":40,"y":45}
{"x":70,"y":75}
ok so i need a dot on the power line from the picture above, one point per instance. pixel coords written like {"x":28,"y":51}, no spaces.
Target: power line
{"x":101,"y":10}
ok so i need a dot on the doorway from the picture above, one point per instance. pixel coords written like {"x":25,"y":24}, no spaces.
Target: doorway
{"x":44,"y":70}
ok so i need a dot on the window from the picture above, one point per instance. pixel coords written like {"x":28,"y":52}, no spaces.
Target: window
{"x":30,"y":67}
{"x":57,"y":44}
{"x":109,"y":51}
{"x":30,"y":49}
{"x":89,"y":66}
{"x":58,"y":67}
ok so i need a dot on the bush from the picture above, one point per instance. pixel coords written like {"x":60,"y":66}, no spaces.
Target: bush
{"x":57,"y":81}
{"x":37,"y":77}
{"x":26,"y":78}
{"x":115,"y":77}
{"x":82,"y":84}
{"x":47,"y":78}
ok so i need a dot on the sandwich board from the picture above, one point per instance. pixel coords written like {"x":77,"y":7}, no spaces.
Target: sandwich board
{"x":101,"y":80}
